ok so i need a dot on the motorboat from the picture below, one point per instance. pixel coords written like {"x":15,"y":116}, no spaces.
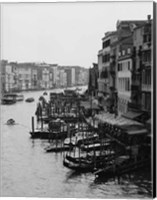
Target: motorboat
{"x":10,"y":122}
{"x":12,"y":98}
{"x":30,"y":99}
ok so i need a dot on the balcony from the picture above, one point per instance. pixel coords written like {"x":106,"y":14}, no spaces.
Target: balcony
{"x":146,"y":63}
{"x":146,"y":87}
{"x":100,"y":52}
{"x":146,"y":46}
{"x":102,"y":80}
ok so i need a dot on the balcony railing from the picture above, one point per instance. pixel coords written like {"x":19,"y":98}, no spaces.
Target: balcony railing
{"x":146,"y":63}
{"x":146,"y":46}
{"x":146,"y":87}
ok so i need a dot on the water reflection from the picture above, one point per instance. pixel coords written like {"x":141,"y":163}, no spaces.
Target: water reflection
{"x":72,"y":175}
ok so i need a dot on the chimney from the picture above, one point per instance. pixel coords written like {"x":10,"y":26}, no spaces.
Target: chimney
{"x":148,"y":17}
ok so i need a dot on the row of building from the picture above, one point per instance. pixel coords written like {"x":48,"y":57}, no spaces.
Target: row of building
{"x":35,"y":76}
{"x":122,"y":77}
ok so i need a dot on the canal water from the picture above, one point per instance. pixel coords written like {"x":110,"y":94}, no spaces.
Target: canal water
{"x":28,"y":171}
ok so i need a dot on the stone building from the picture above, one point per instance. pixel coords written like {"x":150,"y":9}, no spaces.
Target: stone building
{"x":93,"y":80}
{"x":106,"y":67}
{"x":7,"y":77}
{"x":125,"y":31}
{"x":124,"y":74}
{"x":146,"y":52}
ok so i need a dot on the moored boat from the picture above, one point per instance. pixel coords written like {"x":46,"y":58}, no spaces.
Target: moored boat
{"x":122,"y":165}
{"x":79,"y":165}
{"x":12,"y":98}
{"x":19,"y":97}
{"x":88,"y":163}
{"x":47,"y":134}
{"x":58,"y":148}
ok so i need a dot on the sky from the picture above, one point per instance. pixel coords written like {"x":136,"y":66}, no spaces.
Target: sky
{"x":62,"y":33}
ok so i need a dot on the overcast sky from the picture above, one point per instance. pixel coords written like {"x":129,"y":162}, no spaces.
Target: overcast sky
{"x":62,"y":33}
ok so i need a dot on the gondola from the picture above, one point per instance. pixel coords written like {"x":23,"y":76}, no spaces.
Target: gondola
{"x":89,"y":163}
{"x":11,"y":98}
{"x":47,"y":134}
{"x":58,"y":148}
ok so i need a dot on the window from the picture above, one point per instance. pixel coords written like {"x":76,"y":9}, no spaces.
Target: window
{"x":128,"y":65}
{"x":143,"y":100}
{"x":145,"y":38}
{"x":106,"y":43}
{"x":134,"y":35}
{"x":123,"y":52}
{"x":149,"y":38}
{"x":126,"y":84}
{"x":129,"y":84}
{"x":106,"y":58}
{"x":26,"y":76}
{"x":129,"y":50}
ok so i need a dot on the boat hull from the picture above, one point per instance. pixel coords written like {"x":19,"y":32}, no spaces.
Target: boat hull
{"x":38,"y":134}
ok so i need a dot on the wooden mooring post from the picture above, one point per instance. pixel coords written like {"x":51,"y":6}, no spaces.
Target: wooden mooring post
{"x":41,"y":123}
{"x":79,"y":156}
{"x":33,"y":124}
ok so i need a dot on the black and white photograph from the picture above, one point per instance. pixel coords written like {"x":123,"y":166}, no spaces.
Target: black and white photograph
{"x":76,"y":99}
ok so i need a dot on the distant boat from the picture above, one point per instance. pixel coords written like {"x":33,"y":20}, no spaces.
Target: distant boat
{"x":78,"y":89}
{"x":12,"y":98}
{"x":29,"y":100}
{"x":70,"y":93}
{"x":10,"y":122}
{"x":19,"y":97}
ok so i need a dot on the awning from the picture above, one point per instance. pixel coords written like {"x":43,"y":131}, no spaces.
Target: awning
{"x":119,"y":121}
{"x":88,"y":105}
{"x":132,"y":115}
{"x":137,"y":132}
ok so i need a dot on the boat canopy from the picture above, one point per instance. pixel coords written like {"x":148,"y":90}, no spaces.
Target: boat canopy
{"x":87,"y":105}
{"x":117,"y":121}
{"x":132,"y":115}
{"x":137,"y":132}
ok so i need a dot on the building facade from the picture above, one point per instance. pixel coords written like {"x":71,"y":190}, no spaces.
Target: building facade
{"x":124,"y":75}
{"x":35,"y":76}
{"x":146,"y":53}
{"x":93,"y":80}
{"x":124,"y":65}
